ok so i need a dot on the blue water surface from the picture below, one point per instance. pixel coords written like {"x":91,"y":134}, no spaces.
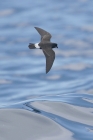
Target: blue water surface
{"x":65,"y":94}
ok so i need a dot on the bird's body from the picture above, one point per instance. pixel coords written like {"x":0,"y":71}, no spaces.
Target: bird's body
{"x":46,"y":46}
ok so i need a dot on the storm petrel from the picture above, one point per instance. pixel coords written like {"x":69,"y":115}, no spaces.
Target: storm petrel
{"x":46,"y":46}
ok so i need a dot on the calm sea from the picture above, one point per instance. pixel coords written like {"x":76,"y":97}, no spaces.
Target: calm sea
{"x":39,"y":106}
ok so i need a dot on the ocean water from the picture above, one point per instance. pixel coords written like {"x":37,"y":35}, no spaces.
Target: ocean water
{"x":39,"y":106}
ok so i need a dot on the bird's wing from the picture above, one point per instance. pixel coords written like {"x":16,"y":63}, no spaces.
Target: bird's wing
{"x":45,"y":36}
{"x":50,"y":57}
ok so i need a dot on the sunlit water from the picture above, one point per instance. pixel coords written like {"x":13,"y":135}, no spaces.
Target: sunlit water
{"x":39,"y":106}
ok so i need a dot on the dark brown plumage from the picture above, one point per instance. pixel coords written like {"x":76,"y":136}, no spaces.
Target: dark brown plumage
{"x":46,"y":46}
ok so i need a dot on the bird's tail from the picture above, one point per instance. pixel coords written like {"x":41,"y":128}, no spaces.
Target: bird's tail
{"x":31,"y":46}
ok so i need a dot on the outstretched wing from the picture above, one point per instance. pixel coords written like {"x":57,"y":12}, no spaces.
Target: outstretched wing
{"x":45,"y":36}
{"x":50,"y":57}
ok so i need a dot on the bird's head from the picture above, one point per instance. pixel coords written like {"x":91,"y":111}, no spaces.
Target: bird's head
{"x":55,"y":45}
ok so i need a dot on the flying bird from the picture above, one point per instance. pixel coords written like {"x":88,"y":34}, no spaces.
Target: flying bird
{"x":46,"y":47}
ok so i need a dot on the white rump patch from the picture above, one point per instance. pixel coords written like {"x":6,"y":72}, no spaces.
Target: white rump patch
{"x":37,"y":46}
